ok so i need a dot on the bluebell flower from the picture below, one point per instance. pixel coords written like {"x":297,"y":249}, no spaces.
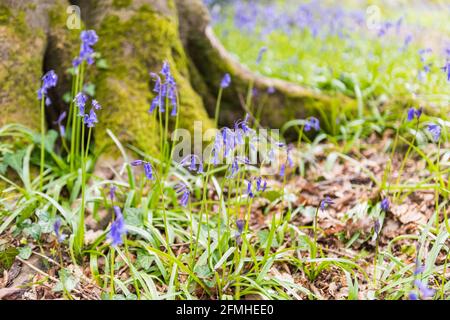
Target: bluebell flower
{"x":112,"y":192}
{"x":260,"y":185}
{"x":414,"y":113}
{"x":435,"y":131}
{"x":282,"y":170}
{"x":271,"y":90}
{"x":88,"y":39}
{"x":194,"y":161}
{"x":57,"y":229}
{"x":61,"y":127}
{"x":80,"y":101}
{"x":424,"y":290}
{"x":413,"y":296}
{"x":249,"y":189}
{"x":385,"y":204}
{"x":446,"y":69}
{"x":148,"y":170}
{"x":240,"y":223}
{"x":166,"y":89}
{"x":325,"y":203}
{"x":226,"y":81}
{"x":90,"y":119}
{"x":49,"y":80}
{"x":182,"y":189}
{"x":96,"y":105}
{"x":118,"y":228}
{"x":261,"y":54}
{"x":312,"y":123}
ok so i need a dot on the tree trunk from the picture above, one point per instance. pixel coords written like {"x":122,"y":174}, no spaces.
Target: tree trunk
{"x":135,"y":37}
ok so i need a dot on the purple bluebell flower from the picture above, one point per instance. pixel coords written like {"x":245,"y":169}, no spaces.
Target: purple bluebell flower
{"x":413,"y":296}
{"x":182,"y":189}
{"x":271,"y":90}
{"x":118,"y":228}
{"x":446,"y":69}
{"x":260,"y":185}
{"x":194,"y":161}
{"x":148,"y":171}
{"x":240,"y":223}
{"x":376,"y":227}
{"x":226,"y":81}
{"x":137,"y":163}
{"x":96,"y":105}
{"x":249,"y":189}
{"x":282,"y":170}
{"x":90,"y":119}
{"x":166,"y":89}
{"x":62,"y":128}
{"x":88,"y":39}
{"x":325,"y":203}
{"x":385,"y":204}
{"x":312,"y":123}
{"x":419,"y":269}
{"x":80,"y":101}
{"x":112,"y":192}
{"x":261,"y":54}
{"x":414,"y":113}
{"x":57,"y":229}
{"x":49,"y":80}
{"x":435,"y":131}
{"x":424,"y":290}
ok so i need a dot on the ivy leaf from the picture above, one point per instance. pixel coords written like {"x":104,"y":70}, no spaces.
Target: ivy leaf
{"x":7,"y":258}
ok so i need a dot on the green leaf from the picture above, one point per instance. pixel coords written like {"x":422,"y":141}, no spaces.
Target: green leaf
{"x":67,"y":281}
{"x":133,"y":217}
{"x":89,"y":88}
{"x":25,"y":252}
{"x":7,"y":258}
{"x":102,"y":64}
{"x":144,"y":260}
{"x":14,"y":160}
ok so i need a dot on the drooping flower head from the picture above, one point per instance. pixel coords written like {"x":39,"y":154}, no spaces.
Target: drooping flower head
{"x":112,"y":192}
{"x":414,"y":113}
{"x":226,"y":81}
{"x":148,"y":169}
{"x":57,"y":229}
{"x":88,"y":39}
{"x":326,"y":202}
{"x":194,"y":161}
{"x":49,"y":80}
{"x":385,"y":204}
{"x":118,"y":228}
{"x":183,"y":190}
{"x":240,"y":223}
{"x":260,"y":185}
{"x":90,"y":119}
{"x":249,"y":189}
{"x":80,"y":102}
{"x":312,"y":123}
{"x":435,"y":131}
{"x":62,"y":128}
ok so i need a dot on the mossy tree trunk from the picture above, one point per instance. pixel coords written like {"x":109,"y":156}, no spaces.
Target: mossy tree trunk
{"x":136,"y":36}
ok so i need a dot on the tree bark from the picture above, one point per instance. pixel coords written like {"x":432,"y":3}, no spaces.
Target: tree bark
{"x":136,"y":36}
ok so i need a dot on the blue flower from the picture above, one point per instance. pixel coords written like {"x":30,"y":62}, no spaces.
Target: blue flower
{"x":413,"y":296}
{"x":182,"y":189}
{"x":49,"y":80}
{"x":240,"y":223}
{"x":249,"y":189}
{"x":414,"y":113}
{"x":112,"y":192}
{"x":165,"y":90}
{"x":261,"y":186}
{"x":96,"y":105}
{"x":261,"y":54}
{"x":326,"y":202}
{"x":195,"y":163}
{"x":435,"y":131}
{"x":62,"y":128}
{"x":88,"y":39}
{"x":446,"y":69}
{"x":424,"y":290}
{"x":226,"y":81}
{"x":148,"y":170}
{"x":312,"y":123}
{"x":385,"y":204}
{"x":57,"y":229}
{"x":282,"y":170}
{"x":90,"y":119}
{"x":80,"y":101}
{"x":118,"y":229}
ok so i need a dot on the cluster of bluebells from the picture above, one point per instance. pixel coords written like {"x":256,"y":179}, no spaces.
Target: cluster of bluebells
{"x":261,"y":186}
{"x":90,"y":119}
{"x":385,"y":204}
{"x":148,"y":169}
{"x":195,"y":163}
{"x":49,"y":80}
{"x":312,"y":123}
{"x":118,"y":228}
{"x":165,"y":89}
{"x":435,"y":131}
{"x":226,"y":81}
{"x":88,"y":39}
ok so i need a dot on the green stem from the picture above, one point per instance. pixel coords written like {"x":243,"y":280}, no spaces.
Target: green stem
{"x":41,"y":172}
